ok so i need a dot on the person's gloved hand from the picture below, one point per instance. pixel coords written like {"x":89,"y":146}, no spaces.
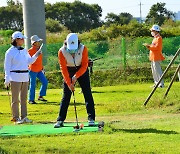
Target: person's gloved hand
{"x":7,"y":84}
{"x":74,"y":79}
{"x":39,"y":51}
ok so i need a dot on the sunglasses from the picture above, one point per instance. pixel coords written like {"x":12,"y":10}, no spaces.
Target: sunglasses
{"x":20,"y":38}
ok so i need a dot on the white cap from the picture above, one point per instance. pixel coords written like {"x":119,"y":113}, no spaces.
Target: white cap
{"x":35,"y":38}
{"x":72,"y":41}
{"x":18,"y":34}
{"x":156,"y":28}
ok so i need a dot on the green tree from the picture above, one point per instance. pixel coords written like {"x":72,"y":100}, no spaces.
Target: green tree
{"x":125,"y":18}
{"x":11,"y":17}
{"x":158,"y":14}
{"x":122,"y":18}
{"x":53,"y":25}
{"x":112,"y":18}
{"x":76,"y":16}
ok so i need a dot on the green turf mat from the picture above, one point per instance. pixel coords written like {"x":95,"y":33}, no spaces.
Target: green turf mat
{"x":31,"y":129}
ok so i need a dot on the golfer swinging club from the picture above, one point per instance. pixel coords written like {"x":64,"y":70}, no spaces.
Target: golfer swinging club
{"x":73,"y":61}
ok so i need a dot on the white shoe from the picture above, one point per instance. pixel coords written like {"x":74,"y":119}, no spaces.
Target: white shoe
{"x":161,"y":86}
{"x":59,"y":124}
{"x":26,"y":120}
{"x":18,"y":121}
{"x":91,"y":123}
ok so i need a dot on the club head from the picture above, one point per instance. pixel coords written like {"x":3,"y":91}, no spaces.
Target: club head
{"x":76,"y":127}
{"x":101,"y":124}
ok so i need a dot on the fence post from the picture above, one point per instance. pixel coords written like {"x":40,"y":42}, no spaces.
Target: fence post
{"x":123,"y":46}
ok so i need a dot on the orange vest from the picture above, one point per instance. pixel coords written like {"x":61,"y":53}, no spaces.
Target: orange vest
{"x":156,"y":49}
{"x":37,"y":66}
{"x":65,"y":60}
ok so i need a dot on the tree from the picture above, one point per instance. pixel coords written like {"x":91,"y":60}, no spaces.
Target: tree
{"x":11,"y":17}
{"x":158,"y":14}
{"x":76,"y":16}
{"x":122,"y":18}
{"x":53,"y":25}
{"x":112,"y":18}
{"x":10,"y":2}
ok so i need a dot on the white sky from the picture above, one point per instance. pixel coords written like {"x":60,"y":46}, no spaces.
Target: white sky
{"x":119,"y":6}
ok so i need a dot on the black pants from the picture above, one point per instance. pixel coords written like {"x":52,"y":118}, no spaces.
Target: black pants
{"x":84,"y":83}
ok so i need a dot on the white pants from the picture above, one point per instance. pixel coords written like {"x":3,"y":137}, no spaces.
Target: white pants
{"x":157,"y":72}
{"x":179,"y":75}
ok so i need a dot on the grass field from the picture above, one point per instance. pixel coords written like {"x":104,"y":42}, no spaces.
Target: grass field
{"x":129,"y":126}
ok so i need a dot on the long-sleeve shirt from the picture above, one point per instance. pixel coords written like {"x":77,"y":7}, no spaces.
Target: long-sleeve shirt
{"x":67,"y":60}
{"x":156,"y":49}
{"x":37,"y":66}
{"x":16,"y":59}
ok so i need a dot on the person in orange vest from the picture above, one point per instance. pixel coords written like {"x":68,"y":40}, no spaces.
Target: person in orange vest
{"x":155,"y":55}
{"x":36,"y":71}
{"x":73,"y":61}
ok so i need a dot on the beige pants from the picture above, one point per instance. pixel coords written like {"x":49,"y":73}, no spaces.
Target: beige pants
{"x":179,"y":75}
{"x":19,"y":92}
{"x":157,"y":72}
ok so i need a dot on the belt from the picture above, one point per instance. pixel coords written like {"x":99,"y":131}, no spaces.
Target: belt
{"x":20,"y":71}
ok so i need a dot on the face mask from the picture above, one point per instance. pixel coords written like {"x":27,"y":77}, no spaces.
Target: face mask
{"x":71,"y":51}
{"x":153,"y":33}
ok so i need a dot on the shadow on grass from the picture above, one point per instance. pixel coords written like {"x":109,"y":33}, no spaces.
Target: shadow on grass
{"x":58,"y":103}
{"x":113,"y":91}
{"x":97,"y":92}
{"x":147,"y":130}
{"x":47,"y":103}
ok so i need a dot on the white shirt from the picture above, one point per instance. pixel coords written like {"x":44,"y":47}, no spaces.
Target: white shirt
{"x":17,"y":60}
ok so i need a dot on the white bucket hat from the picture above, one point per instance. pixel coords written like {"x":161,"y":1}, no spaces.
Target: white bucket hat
{"x":72,"y":41}
{"x":156,"y":28}
{"x":19,"y":35}
{"x":35,"y":38}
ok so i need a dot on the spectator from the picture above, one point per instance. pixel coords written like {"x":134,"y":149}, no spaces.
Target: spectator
{"x":36,"y":71}
{"x":155,"y":55}
{"x":16,"y":64}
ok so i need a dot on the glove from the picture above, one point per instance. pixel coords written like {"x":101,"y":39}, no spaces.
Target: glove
{"x":7,"y":84}
{"x":39,"y":51}
{"x":74,"y":79}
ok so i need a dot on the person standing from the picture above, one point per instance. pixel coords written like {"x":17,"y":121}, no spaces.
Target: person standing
{"x":73,"y":60}
{"x":36,"y":71}
{"x":155,"y":55}
{"x":16,"y":64}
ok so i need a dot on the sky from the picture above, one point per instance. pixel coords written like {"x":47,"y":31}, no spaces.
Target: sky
{"x":119,"y":6}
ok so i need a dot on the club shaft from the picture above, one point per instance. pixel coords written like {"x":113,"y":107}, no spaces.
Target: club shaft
{"x":75,"y":108}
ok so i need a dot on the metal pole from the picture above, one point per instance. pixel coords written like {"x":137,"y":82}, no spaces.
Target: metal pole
{"x":140,"y":13}
{"x":172,"y":80}
{"x":123,"y":43}
{"x":34,"y":22}
{"x":154,"y":89}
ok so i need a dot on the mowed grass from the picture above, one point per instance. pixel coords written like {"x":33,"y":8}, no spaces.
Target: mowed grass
{"x":129,"y":126}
